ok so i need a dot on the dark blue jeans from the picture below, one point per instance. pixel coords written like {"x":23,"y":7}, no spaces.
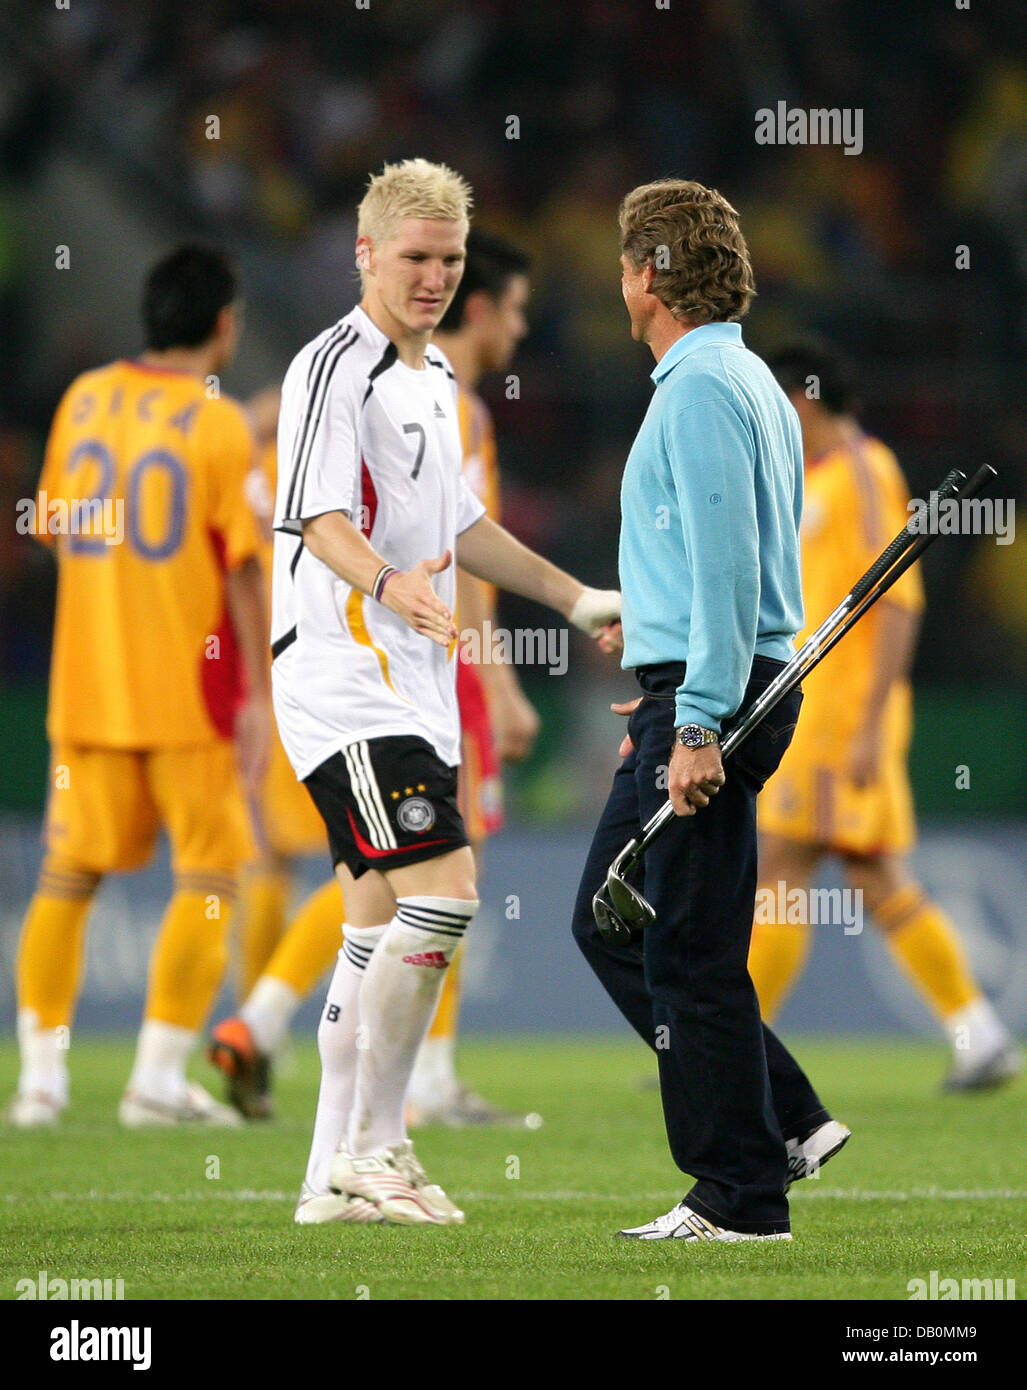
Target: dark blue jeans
{"x":731,"y":1091}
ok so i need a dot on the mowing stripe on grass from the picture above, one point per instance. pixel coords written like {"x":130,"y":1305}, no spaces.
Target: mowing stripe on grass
{"x":842,"y":1194}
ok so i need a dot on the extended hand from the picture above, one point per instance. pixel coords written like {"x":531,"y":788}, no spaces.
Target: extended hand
{"x":595,"y":609}
{"x":411,"y":596}
{"x":611,"y":638}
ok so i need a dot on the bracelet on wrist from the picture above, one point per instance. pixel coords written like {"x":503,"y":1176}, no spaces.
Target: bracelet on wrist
{"x":381,"y":579}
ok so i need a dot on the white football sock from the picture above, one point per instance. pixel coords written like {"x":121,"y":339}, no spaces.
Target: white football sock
{"x":397,"y":1000}
{"x":44,"y":1051}
{"x":337,"y":1045}
{"x":975,"y":1031}
{"x":268,"y":1011}
{"x":161,"y":1054}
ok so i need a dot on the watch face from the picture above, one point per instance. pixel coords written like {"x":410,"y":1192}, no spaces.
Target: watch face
{"x":690,"y":735}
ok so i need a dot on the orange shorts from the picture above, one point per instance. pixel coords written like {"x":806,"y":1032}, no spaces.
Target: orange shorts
{"x":106,"y":806}
{"x":811,"y":797}
{"x":291,"y":825}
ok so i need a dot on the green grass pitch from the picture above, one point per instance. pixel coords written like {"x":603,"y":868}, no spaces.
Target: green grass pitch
{"x":928,"y":1182}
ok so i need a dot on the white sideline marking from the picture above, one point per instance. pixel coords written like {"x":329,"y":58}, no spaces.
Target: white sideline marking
{"x":807,"y":1190}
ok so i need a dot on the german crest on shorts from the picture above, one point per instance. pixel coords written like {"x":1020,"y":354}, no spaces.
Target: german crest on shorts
{"x":415,"y":814}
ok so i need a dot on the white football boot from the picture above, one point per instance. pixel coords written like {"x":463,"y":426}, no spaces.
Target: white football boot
{"x":377,"y":1178}
{"x":320,"y":1208}
{"x":35,"y":1110}
{"x":443,"y":1208}
{"x":985,"y":1073}
{"x":195,"y":1108}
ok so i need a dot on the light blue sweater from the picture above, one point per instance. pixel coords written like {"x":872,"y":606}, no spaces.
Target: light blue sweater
{"x":710,"y":507}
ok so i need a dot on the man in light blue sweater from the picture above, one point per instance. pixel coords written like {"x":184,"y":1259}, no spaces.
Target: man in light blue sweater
{"x":709,"y":568}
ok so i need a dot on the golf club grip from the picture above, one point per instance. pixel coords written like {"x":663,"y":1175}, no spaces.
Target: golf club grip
{"x":949,"y":486}
{"x":904,"y":550}
{"x":984,"y":475}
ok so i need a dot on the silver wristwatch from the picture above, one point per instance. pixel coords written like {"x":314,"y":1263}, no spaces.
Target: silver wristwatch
{"x":695,"y":736}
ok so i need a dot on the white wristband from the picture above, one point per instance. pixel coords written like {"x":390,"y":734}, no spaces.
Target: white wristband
{"x":595,"y":609}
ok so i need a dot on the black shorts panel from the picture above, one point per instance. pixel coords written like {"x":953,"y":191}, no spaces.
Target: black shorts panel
{"x":387,"y":802}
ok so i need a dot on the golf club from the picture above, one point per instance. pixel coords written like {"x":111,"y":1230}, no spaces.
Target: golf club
{"x":618,"y":908}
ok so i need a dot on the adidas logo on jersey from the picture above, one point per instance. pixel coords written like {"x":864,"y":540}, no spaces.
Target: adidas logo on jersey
{"x":440,"y":414}
{"x":433,"y":958}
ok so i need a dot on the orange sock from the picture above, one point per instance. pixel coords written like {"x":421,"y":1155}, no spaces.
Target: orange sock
{"x":447,"y":1010}
{"x":312,"y":942}
{"x":927,"y":945}
{"x":191,"y":951}
{"x":50,"y":952}
{"x":777,"y":954}
{"x":260,"y":924}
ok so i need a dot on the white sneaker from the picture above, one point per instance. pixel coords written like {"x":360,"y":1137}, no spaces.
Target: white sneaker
{"x":682,"y":1223}
{"x":997,"y":1067}
{"x":319,"y":1208}
{"x":460,"y":1109}
{"x":445,"y":1211}
{"x":196,"y":1107}
{"x":34,"y":1110}
{"x":377,"y":1178}
{"x":807,"y":1156}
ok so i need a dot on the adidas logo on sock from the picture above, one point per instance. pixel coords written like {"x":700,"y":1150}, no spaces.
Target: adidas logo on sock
{"x":435,"y":958}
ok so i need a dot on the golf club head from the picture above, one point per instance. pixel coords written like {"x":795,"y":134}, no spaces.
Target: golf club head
{"x":627,"y":902}
{"x":611,"y":927}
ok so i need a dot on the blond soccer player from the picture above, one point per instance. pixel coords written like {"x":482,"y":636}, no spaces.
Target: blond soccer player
{"x":158,"y":683}
{"x":843,"y":787}
{"x":479,"y":333}
{"x":371,"y":512}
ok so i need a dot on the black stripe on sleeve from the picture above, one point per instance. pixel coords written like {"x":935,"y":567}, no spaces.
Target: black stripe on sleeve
{"x":283,"y":643}
{"x":296,"y":558}
{"x":316,"y":365}
{"x":330,"y":354}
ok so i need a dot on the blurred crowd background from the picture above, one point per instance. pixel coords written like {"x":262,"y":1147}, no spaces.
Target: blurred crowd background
{"x":552,"y":111}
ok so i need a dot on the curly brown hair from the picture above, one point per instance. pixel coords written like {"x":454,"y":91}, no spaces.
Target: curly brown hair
{"x":690,"y":236}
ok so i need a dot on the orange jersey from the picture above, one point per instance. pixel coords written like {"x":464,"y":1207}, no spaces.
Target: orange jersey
{"x":481,"y":466}
{"x":260,"y":489}
{"x":478,"y":437}
{"x":855,"y":503}
{"x":144,"y":489}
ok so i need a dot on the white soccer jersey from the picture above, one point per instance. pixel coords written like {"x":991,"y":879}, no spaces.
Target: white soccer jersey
{"x":361,"y":432}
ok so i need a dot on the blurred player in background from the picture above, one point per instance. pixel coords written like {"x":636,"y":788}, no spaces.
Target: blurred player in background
{"x":479,"y":333}
{"x":843,"y":786}
{"x":159,"y":679}
{"x":275,"y":969}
